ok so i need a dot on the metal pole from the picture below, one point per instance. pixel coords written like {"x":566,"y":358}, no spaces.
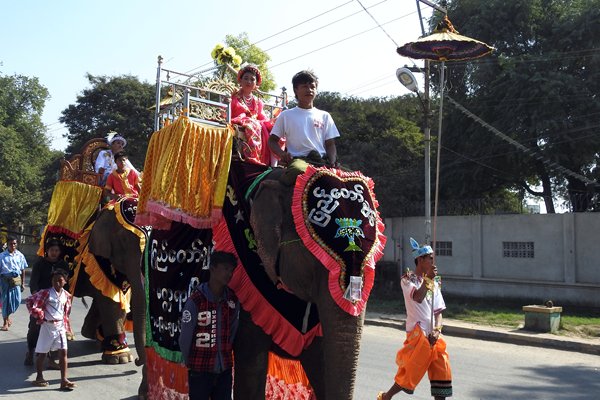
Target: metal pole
{"x":439,"y":149}
{"x":427,"y":140}
{"x":158,"y":85}
{"x":427,"y":132}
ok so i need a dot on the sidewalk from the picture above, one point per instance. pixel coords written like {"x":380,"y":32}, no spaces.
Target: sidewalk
{"x":454,"y":327}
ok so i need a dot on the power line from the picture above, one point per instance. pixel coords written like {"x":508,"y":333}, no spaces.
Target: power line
{"x":280,"y":32}
{"x":518,"y":145}
{"x":322,"y":27}
{"x":308,"y":20}
{"x":379,"y":25}
{"x":337,"y":42}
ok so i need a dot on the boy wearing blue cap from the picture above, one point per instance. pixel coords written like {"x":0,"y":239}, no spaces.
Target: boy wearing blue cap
{"x":424,"y":348}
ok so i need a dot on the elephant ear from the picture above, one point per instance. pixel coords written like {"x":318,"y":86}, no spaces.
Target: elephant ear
{"x":266,"y":220}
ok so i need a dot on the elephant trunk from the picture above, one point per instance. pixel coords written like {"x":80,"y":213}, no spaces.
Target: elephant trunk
{"x":341,"y":346}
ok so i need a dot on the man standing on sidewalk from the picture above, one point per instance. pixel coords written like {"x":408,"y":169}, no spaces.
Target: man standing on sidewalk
{"x":12,"y":265}
{"x":424,"y":349}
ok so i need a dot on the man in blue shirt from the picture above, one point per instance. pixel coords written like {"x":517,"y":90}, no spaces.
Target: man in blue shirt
{"x":12,"y":265}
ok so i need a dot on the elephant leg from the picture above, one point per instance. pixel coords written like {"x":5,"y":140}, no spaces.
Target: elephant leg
{"x":143,"y":388}
{"x":251,"y":352}
{"x":91,"y":322}
{"x":114,"y":345}
{"x":313,"y":363}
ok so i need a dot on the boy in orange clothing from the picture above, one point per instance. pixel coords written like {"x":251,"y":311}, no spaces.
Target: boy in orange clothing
{"x":123,"y":181}
{"x":424,"y":349}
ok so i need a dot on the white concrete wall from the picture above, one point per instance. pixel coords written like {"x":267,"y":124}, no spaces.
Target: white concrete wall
{"x":565,"y":267}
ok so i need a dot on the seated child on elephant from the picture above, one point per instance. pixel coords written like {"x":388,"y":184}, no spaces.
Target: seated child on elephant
{"x":123,"y":181}
{"x":309,"y":132}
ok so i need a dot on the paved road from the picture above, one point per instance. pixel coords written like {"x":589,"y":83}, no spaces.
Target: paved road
{"x":482,"y":370}
{"x":485,"y":370}
{"x":94,"y":379}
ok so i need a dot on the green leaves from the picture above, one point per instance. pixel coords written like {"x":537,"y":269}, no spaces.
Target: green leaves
{"x":119,"y":103}
{"x":24,"y":152}
{"x":540,"y":87}
{"x":378,"y":140}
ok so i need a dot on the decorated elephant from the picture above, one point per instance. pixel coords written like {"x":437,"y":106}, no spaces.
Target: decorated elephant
{"x":93,"y":244}
{"x":322,"y":248}
{"x":318,"y":236}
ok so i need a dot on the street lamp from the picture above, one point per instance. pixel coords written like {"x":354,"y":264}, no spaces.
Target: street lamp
{"x":406,"y":78}
{"x":444,"y":44}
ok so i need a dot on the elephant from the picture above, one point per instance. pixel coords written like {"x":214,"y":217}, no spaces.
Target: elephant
{"x":110,"y":240}
{"x":331,"y":360}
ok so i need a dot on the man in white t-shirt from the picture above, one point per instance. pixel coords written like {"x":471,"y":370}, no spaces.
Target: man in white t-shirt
{"x":424,"y":348}
{"x":306,"y":129}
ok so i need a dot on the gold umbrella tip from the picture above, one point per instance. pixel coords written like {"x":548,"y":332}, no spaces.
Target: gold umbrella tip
{"x":445,"y":26}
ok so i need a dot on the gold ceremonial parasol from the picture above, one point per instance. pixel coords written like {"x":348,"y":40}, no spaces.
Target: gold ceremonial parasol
{"x":445,"y":44}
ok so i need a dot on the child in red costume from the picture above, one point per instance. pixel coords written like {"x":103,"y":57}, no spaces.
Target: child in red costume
{"x":247,"y":111}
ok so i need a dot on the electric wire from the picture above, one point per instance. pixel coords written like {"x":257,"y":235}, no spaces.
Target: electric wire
{"x":521,"y":147}
{"x":282,"y":31}
{"x":378,"y":24}
{"x":337,"y":42}
{"x":321,"y":27}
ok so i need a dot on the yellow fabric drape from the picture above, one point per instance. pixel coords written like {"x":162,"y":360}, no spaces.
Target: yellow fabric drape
{"x":185,"y":174}
{"x":72,"y":205}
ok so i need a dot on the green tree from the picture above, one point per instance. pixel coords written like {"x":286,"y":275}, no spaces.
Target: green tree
{"x":379,"y":140}
{"x":119,"y":103}
{"x":253,"y":54}
{"x":26,"y":180}
{"x":540,"y":86}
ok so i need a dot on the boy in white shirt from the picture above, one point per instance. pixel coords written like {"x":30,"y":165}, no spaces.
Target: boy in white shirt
{"x":306,"y":129}
{"x":51,"y":307}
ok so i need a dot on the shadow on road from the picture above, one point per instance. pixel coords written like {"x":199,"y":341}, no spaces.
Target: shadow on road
{"x":552,"y":382}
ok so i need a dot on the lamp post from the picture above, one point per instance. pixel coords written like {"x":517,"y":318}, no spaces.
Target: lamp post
{"x":444,"y":44}
{"x":406,"y":78}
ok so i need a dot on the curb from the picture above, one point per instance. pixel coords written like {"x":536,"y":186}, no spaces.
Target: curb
{"x":517,"y":338}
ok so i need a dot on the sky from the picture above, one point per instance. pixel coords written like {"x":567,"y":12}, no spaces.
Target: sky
{"x":60,"y":41}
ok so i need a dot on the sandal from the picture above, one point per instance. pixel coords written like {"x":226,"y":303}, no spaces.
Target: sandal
{"x":40,"y":383}
{"x":4,"y":328}
{"x":68,"y":386}
{"x":380,"y":396}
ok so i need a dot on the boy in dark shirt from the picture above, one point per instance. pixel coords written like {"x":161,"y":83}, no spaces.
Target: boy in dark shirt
{"x":208,"y":325}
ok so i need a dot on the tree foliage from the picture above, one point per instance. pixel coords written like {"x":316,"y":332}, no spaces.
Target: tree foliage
{"x":379,"y":140}
{"x":253,"y":54}
{"x":26,"y":180}
{"x":119,"y":103}
{"x":540,"y":86}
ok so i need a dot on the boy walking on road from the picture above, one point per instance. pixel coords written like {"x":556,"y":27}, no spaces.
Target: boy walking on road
{"x":51,"y":307}
{"x":424,"y":349}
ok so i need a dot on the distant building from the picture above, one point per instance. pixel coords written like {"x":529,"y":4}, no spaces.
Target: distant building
{"x":532,"y":208}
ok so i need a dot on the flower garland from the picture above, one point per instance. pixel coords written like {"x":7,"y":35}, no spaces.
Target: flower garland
{"x":225,"y":55}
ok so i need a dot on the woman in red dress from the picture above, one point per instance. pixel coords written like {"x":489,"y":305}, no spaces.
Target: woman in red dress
{"x":247,"y":111}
